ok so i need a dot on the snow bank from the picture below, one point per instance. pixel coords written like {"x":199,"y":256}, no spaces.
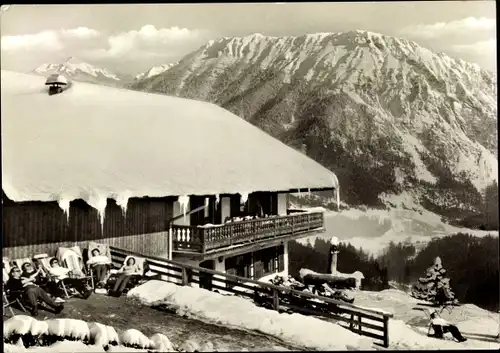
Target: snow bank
{"x":242,"y":313}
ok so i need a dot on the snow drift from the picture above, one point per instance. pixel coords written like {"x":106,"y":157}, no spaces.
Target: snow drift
{"x":238,"y":312}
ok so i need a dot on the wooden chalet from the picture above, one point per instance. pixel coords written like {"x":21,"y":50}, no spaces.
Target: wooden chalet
{"x":153,"y":174}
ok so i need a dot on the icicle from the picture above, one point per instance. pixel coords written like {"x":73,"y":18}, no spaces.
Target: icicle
{"x":244,"y":197}
{"x":217,"y":199}
{"x":64,"y":204}
{"x":99,"y":203}
{"x":337,"y":192}
{"x":184,"y":203}
{"x":336,"y":185}
{"x":122,"y":201}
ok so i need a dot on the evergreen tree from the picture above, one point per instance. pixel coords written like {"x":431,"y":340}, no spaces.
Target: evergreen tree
{"x":434,"y":287}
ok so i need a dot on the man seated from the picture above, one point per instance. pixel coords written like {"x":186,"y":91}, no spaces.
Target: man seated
{"x":100,"y":265}
{"x":61,"y":274}
{"x":32,"y":292}
{"x":441,"y":326}
{"x":37,"y":276}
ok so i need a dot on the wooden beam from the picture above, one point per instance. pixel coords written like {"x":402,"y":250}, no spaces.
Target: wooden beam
{"x":185,"y":215}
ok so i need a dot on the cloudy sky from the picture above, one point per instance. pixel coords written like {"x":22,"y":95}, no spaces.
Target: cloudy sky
{"x":131,"y":38}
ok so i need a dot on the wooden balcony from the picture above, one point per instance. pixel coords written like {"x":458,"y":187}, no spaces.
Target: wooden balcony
{"x":203,"y":239}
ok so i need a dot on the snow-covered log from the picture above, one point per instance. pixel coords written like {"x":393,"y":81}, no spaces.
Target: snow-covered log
{"x":18,"y":329}
{"x":39,"y":332}
{"x":135,"y":339}
{"x":77,"y":330}
{"x":309,"y":277}
{"x":113,"y":338}
{"x":357,"y":275}
{"x":161,"y":343}
{"x":17,"y":325}
{"x":98,"y":335}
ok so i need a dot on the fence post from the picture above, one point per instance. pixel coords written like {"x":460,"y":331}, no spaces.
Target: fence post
{"x":276,"y":300}
{"x":359,"y":324}
{"x":386,"y":331}
{"x":185,"y":279}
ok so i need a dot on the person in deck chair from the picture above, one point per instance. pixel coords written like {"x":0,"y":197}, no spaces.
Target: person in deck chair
{"x":32,"y":292}
{"x":62,"y":274}
{"x":38,"y":278}
{"x":128,"y":270}
{"x":441,"y":326}
{"x":100,"y":265}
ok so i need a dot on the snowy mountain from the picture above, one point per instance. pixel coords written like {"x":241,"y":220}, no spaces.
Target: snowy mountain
{"x":78,"y":70}
{"x":384,"y":113}
{"x":154,"y":71}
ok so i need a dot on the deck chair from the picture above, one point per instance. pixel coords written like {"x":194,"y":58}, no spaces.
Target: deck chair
{"x":136,"y":280}
{"x":19,"y":262}
{"x":44,"y":260}
{"x":104,"y":250}
{"x":9,"y":298}
{"x":72,"y":258}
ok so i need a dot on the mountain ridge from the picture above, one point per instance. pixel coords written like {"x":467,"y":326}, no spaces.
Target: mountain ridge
{"x":79,"y":70}
{"x":380,"y":111}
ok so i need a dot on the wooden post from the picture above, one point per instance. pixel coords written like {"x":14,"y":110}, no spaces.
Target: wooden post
{"x":359,"y":324}
{"x":170,"y":242}
{"x":185,"y":279}
{"x":386,"y":331}
{"x":276,"y":300}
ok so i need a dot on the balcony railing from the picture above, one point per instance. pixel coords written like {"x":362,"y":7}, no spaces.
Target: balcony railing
{"x":204,"y":238}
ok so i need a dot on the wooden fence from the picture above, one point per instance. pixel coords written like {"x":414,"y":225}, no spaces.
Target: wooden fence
{"x":366,"y":322}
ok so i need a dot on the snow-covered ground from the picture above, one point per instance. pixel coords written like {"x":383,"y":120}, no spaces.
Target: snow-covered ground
{"x":68,"y":346}
{"x":373,"y":229}
{"x":408,"y":328}
{"x":239,"y":312}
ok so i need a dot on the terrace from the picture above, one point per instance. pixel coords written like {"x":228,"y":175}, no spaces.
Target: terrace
{"x":211,"y":238}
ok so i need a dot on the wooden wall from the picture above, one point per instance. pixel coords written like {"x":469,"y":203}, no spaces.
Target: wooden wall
{"x":31,"y":227}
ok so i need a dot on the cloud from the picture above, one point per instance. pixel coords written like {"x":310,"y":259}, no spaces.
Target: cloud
{"x":150,"y":39}
{"x":453,"y":28}
{"x":482,"y":47}
{"x":80,"y":33}
{"x":46,"y":40}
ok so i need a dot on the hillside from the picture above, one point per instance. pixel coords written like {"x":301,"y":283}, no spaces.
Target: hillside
{"x":78,"y":70}
{"x":383,"y":113}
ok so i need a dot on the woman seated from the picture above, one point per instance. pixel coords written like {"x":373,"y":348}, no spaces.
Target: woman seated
{"x":100,"y":265}
{"x":32,"y":292}
{"x":38,"y":278}
{"x":128,"y":270}
{"x":61,"y":274}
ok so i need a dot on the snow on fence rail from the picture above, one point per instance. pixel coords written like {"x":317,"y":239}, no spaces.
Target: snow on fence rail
{"x":363,"y":321}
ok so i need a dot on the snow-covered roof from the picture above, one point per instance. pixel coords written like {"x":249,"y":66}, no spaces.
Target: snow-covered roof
{"x":95,"y":142}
